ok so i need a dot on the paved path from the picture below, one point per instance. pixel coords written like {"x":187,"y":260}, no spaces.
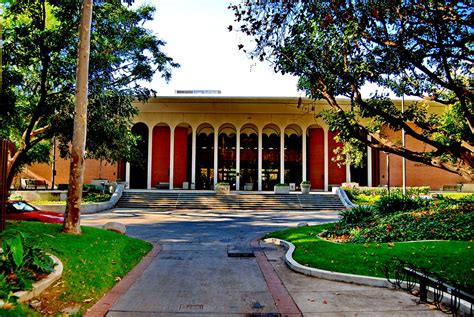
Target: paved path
{"x":319,"y":297}
{"x":193,"y":274}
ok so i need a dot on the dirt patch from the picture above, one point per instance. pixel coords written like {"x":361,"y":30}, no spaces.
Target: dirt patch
{"x":336,"y":238}
{"x":51,"y":301}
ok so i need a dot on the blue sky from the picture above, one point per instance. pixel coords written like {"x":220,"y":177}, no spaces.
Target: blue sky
{"x":197,"y":37}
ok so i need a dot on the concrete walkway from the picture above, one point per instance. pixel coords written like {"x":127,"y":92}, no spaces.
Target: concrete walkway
{"x":193,"y":274}
{"x":318,"y":297}
{"x":197,"y":279}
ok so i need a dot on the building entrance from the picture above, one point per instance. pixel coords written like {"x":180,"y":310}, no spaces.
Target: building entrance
{"x":227,"y":155}
{"x":248,"y":157}
{"x":270,"y":156}
{"x":205,"y":157}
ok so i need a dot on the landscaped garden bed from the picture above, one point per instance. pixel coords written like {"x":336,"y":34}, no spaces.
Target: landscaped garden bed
{"x":367,"y":237}
{"x":88,"y":198}
{"x":93,"y":263}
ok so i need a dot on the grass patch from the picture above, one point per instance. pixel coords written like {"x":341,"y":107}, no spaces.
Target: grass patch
{"x":19,"y":310}
{"x":93,"y":261}
{"x":453,"y":260}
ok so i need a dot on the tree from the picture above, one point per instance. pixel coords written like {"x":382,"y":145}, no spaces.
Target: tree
{"x":421,"y":49}
{"x":76,"y":175}
{"x":38,"y":77}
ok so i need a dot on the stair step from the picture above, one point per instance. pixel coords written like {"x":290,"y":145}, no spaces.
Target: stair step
{"x":164,"y":200}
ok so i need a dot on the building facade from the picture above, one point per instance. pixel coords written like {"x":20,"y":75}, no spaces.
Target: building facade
{"x":191,"y":142}
{"x":252,"y":144}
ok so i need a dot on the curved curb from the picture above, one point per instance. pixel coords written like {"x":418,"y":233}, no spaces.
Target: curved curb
{"x":341,"y":193}
{"x":328,"y":275}
{"x":43,"y":284}
{"x":347,"y":278}
{"x":110,"y":298}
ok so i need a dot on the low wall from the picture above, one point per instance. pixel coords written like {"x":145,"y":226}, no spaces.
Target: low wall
{"x":343,"y":197}
{"x":87,"y":208}
{"x":51,"y":195}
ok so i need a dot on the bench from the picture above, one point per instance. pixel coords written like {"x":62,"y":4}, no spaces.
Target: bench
{"x":451,"y":188}
{"x":163,"y":185}
{"x":27,"y":183}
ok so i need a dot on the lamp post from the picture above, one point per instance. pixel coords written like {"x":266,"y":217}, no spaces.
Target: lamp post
{"x":53,"y":167}
{"x":404,"y":161}
{"x":388,"y":173}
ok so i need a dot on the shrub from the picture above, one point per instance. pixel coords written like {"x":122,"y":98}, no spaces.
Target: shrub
{"x":382,"y":191}
{"x":357,"y":214}
{"x":420,"y":225}
{"x":96,"y":197}
{"x":391,"y":204}
{"x":20,"y":264}
{"x":365,"y":199}
{"x":368,"y":191}
{"x":16,"y":196}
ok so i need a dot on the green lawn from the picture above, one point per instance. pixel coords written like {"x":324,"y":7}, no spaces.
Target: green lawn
{"x":453,"y":260}
{"x":93,"y":261}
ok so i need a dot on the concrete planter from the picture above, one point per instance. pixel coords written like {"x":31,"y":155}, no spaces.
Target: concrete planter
{"x":88,"y":208}
{"x":305,"y":188}
{"x":281,"y":189}
{"x":123,"y":183}
{"x":222,"y":189}
{"x":248,"y":186}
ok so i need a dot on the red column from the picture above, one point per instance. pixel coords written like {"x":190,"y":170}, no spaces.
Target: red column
{"x":160,"y":155}
{"x":180,"y":156}
{"x":337,"y":175}
{"x":316,"y":158}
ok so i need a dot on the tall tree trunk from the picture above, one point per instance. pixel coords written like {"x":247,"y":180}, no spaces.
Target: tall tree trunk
{"x":73,"y":208}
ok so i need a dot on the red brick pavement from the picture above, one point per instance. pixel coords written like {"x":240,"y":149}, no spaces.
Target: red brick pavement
{"x":283,"y":301}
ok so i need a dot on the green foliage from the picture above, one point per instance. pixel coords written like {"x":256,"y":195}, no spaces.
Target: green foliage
{"x":15,"y":246}
{"x":454,"y":224}
{"x":93,"y":261}
{"x":455,"y":196}
{"x":20,"y":264}
{"x":403,"y":219}
{"x":96,"y":197}
{"x":357,"y":215}
{"x":20,"y":310}
{"x":370,"y":195}
{"x":451,"y":259}
{"x":365,"y":199}
{"x":354,"y":191}
{"x":16,"y":196}
{"x":390,"y":204}
{"x":39,"y":76}
{"x":334,"y":48}
{"x":87,"y":198}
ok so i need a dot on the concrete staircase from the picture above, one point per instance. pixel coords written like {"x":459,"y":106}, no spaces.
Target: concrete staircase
{"x":209,"y":200}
